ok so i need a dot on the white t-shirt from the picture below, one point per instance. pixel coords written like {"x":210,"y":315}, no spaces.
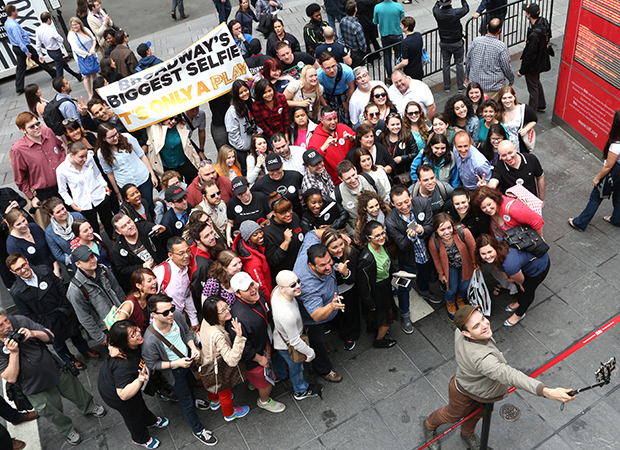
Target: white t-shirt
{"x":418,"y":92}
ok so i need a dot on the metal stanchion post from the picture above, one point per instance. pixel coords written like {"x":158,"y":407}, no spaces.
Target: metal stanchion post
{"x":487,"y":410}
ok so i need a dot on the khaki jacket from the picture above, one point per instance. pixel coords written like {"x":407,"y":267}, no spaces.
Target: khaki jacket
{"x":157,"y":137}
{"x":230,"y":353}
{"x":483,"y":373}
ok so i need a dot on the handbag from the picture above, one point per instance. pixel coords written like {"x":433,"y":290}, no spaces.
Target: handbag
{"x":115,"y":313}
{"x":295,"y":354}
{"x":193,"y":367}
{"x":217,"y":376}
{"x":88,"y":65}
{"x":478,"y":293}
{"x":519,"y":192}
{"x":529,"y":140}
{"x":526,"y":239}
{"x":157,"y":384}
{"x":265,"y":24}
{"x":30,"y":64}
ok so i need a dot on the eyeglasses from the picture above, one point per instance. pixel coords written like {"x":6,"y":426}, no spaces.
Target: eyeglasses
{"x":112,"y":138}
{"x":135,"y":333}
{"x":496,"y":139}
{"x":373,"y":114}
{"x":215,"y":194}
{"x":166,"y":312}
{"x":413,"y":113}
{"x":33,"y":126}
{"x":224,"y":311}
{"x":68,"y":121}
{"x":183,"y":253}
{"x":21,"y":268}
{"x":381,"y":95}
{"x":379,"y":236}
{"x":294,"y":284}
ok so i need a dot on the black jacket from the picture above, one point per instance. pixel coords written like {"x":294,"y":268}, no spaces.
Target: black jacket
{"x":277,"y":258}
{"x":367,"y":277}
{"x":353,"y":259}
{"x":365,"y":12}
{"x":397,"y":228}
{"x":172,"y":223}
{"x":48,"y":307}
{"x":127,"y":261}
{"x":535,"y":57}
{"x":332,"y":214}
{"x":253,"y":327}
{"x":449,"y":22}
{"x":476,"y":221}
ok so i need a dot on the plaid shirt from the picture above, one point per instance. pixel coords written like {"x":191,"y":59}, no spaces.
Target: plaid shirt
{"x":352,"y":33}
{"x":419,"y":246}
{"x":488,"y":63}
{"x":323,"y":182}
{"x":272,"y":120}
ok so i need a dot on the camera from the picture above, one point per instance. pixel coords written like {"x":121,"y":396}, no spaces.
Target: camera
{"x":16,"y":336}
{"x":69,"y":366}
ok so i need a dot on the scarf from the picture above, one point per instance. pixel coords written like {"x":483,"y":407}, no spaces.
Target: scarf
{"x":380,"y":218}
{"x":64,"y":233}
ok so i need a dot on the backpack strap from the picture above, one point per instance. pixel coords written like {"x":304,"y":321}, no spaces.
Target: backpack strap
{"x":370,"y":179}
{"x":166,"y":342}
{"x":416,"y":189}
{"x":166,"y":281}
{"x":442,"y":190}
{"x":80,"y":287}
{"x":338,"y":194}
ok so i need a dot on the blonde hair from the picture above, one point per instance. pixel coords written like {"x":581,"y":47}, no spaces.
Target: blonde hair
{"x":79,"y":21}
{"x":222,"y":156}
{"x":302,"y":80}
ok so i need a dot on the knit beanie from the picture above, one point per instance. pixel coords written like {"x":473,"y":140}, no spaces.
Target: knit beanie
{"x":248,"y":228}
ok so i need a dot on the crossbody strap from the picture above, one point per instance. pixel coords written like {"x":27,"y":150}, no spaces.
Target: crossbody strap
{"x":338,"y":78}
{"x":166,"y":342}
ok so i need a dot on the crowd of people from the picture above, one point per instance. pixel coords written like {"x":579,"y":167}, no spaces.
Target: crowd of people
{"x":331,"y":195}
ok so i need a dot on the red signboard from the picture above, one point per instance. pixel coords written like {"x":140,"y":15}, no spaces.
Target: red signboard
{"x":589,"y":83}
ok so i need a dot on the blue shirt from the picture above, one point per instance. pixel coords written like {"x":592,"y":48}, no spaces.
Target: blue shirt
{"x":473,"y":164}
{"x":18,"y":37}
{"x":69,"y":110}
{"x":127,"y":168}
{"x":387,"y":15}
{"x":175,"y":338}
{"x":517,"y":260}
{"x":343,"y":84}
{"x":315,"y":291}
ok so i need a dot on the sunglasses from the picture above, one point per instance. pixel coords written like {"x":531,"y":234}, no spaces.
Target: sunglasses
{"x":381,"y":95}
{"x":34,"y":125}
{"x":373,"y":114}
{"x":204,"y":163}
{"x":166,"y":312}
{"x":215,"y":194}
{"x":68,"y":121}
{"x":294,"y":284}
{"x":413,"y":113}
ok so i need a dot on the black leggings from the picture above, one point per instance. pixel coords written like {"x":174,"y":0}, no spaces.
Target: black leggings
{"x":137,"y":417}
{"x":187,"y":171}
{"x":104,"y":210}
{"x":525,"y":297}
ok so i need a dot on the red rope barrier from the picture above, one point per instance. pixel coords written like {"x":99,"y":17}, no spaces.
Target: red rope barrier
{"x":541,"y":370}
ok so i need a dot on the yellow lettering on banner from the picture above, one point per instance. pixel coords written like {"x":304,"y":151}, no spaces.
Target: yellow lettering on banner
{"x":179,"y":99}
{"x":202,"y":88}
{"x":170,"y":100}
{"x":187,"y":92}
{"x":238,"y":70}
{"x":125,"y":116}
{"x":217,"y":80}
{"x":142,"y":113}
{"x":157,"y":106}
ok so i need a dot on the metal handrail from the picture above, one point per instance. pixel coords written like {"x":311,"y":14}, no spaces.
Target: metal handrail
{"x":514,"y":32}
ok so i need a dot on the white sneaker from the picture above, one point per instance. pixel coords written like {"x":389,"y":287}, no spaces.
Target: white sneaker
{"x":74,"y":438}
{"x":271,"y":405}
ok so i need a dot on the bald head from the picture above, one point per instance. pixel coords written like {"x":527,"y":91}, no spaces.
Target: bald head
{"x":508,"y":153}
{"x":285,"y":278}
{"x":494,"y":26}
{"x":328,"y":33}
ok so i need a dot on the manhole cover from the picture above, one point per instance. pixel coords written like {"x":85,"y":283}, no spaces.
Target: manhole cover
{"x":509,"y":412}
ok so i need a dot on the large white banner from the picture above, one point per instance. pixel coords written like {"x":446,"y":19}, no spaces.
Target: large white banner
{"x":200,"y":73}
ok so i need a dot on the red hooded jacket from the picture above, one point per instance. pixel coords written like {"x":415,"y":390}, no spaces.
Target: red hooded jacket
{"x":255,"y":264}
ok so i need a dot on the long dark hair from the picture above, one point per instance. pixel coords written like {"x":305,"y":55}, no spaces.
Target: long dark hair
{"x":32,"y":99}
{"x":75,"y":227}
{"x":614,"y":133}
{"x":103,"y":146}
{"x":487,"y":148}
{"x":403,"y":134}
{"x":449,"y":109}
{"x":209,"y":309}
{"x":293,"y":131}
{"x":260,"y":88}
{"x":107,"y":71}
{"x":137,"y":277}
{"x":428,"y":150}
{"x":241,"y":108}
{"x":501,"y":248}
{"x":369,"y":228}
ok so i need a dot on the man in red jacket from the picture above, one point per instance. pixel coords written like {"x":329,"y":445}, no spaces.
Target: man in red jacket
{"x":333,"y":140}
{"x":206,"y":171}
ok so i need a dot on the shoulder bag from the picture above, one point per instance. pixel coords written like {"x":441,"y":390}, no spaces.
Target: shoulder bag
{"x":115,"y":314}
{"x":295,"y":354}
{"x":217,"y":376}
{"x":525,"y":238}
{"x":193,"y":367}
{"x":529,"y":140}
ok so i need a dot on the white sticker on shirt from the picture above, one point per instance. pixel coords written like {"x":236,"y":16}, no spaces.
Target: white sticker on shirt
{"x":341,"y":141}
{"x":32,"y":250}
{"x":6,"y":351}
{"x":238,"y":209}
{"x":43,"y":286}
{"x":506,"y":218}
{"x":519,"y":181}
{"x":421,"y":216}
{"x":279,"y":110}
{"x":55,"y":150}
{"x":350,"y":205}
{"x":327,"y":216}
{"x":301,"y":237}
{"x":300,"y":64}
{"x":402,"y":145}
{"x":178,"y":225}
{"x":124,"y":252}
{"x":291,"y":189}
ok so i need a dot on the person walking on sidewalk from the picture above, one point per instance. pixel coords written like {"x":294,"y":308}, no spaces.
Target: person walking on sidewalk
{"x":451,"y":39}
{"x":387,"y":15}
{"x":482,"y":376}
{"x":22,"y":48}
{"x":535,"y":58}
{"x":48,"y":38}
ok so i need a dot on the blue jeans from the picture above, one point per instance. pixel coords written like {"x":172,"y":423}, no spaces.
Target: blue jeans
{"x":61,"y":64}
{"x":146,"y":190}
{"x":423,"y":272}
{"x":593,"y":203}
{"x":457,"y":287}
{"x":295,"y":371}
{"x":387,"y":54}
{"x":223,"y":9}
{"x":178,"y":4}
{"x":184,"y":391}
{"x":331,"y":20}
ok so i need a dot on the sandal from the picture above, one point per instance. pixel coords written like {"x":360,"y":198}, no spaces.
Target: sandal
{"x":407,"y":2}
{"x":570,"y":222}
{"x":497,"y":290}
{"x":607,"y":219}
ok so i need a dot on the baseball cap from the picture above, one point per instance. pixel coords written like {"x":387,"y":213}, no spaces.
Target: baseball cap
{"x":174,"y":193}
{"x":142,"y":48}
{"x":239,"y":185}
{"x":273,"y":161}
{"x":254,"y":46}
{"x":81,"y":253}
{"x":312,"y":157}
{"x":444,"y":2}
{"x":241,"y":281}
{"x":531,"y":8}
{"x":463,"y":314}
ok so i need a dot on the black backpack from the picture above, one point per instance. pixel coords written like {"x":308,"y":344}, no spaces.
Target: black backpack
{"x":366,"y":177}
{"x":53,"y":117}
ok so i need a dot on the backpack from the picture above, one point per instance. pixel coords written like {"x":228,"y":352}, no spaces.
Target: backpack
{"x":166,"y":281}
{"x":366,"y":176}
{"x":439,"y":185}
{"x":53,"y":117}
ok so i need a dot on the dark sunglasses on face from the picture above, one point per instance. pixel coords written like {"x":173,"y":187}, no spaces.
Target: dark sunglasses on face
{"x":166,"y":312}
{"x":380,"y":95}
{"x":294,"y":284}
{"x":373,"y":114}
{"x":215,"y":194}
